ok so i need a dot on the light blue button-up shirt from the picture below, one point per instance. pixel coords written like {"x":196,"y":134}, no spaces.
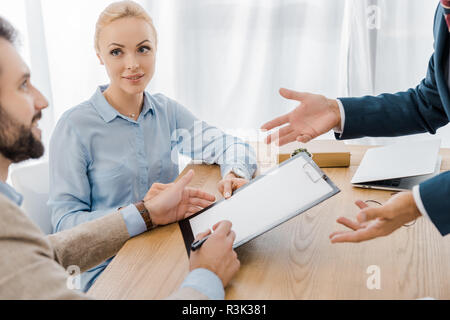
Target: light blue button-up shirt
{"x":101,"y":160}
{"x":10,"y":193}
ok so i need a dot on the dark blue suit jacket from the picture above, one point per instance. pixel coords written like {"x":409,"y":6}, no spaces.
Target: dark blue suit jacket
{"x":423,"y":109}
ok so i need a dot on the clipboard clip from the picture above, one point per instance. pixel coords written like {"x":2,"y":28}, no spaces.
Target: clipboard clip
{"x":312,"y":173}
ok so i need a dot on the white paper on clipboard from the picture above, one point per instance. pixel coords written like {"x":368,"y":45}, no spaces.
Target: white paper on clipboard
{"x":284,"y":192}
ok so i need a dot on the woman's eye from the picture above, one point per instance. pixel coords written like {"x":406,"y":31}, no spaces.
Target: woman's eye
{"x":116,"y":52}
{"x":24,"y":85}
{"x":144,"y":49}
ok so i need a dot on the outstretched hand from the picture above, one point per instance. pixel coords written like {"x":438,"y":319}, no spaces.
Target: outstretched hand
{"x":229,"y":184}
{"x":314,"y":116}
{"x":379,"y":221}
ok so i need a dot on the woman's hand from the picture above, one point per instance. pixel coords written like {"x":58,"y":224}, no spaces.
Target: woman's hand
{"x":229,"y":184}
{"x":174,"y":202}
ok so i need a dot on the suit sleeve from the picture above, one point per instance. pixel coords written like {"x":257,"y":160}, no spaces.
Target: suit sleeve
{"x":435,"y":198}
{"x":28,"y":269}
{"x":91,"y":243}
{"x":416,"y":110}
{"x":33,"y":267}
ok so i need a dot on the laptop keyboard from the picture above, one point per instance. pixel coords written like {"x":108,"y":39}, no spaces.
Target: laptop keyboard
{"x":389,"y":183}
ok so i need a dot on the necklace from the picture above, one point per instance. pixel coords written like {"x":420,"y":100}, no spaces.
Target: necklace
{"x":130,"y":115}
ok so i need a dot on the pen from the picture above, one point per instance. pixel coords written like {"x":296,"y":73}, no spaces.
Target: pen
{"x":197,"y":244}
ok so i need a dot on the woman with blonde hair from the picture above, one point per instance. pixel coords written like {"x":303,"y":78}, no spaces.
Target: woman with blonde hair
{"x":121,"y":147}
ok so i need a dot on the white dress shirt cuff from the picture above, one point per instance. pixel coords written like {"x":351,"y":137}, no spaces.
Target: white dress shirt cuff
{"x":133,"y":220}
{"x":342,"y":112}
{"x":418,"y":200}
{"x":205,"y":282}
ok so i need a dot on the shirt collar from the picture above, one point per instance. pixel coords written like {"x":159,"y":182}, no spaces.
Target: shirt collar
{"x":108,"y":113}
{"x":10,"y":193}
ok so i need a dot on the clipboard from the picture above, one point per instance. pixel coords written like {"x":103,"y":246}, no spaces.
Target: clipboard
{"x":266,"y":202}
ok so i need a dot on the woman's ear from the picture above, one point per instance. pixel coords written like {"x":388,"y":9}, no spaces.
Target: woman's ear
{"x":100,"y":59}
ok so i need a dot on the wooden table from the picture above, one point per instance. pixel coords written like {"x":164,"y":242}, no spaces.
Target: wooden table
{"x":295,"y":260}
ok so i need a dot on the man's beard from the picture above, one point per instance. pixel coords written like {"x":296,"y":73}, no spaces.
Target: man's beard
{"x":17,"y":142}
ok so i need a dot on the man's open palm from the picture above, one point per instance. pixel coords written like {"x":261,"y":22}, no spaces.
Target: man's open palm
{"x":314,"y":116}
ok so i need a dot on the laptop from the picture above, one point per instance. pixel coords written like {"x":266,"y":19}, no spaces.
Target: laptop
{"x":399,"y":166}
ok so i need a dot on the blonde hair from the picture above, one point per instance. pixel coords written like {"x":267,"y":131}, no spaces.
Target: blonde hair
{"x":119,"y":10}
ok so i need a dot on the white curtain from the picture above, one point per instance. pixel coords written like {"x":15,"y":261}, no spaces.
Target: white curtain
{"x":226,"y":59}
